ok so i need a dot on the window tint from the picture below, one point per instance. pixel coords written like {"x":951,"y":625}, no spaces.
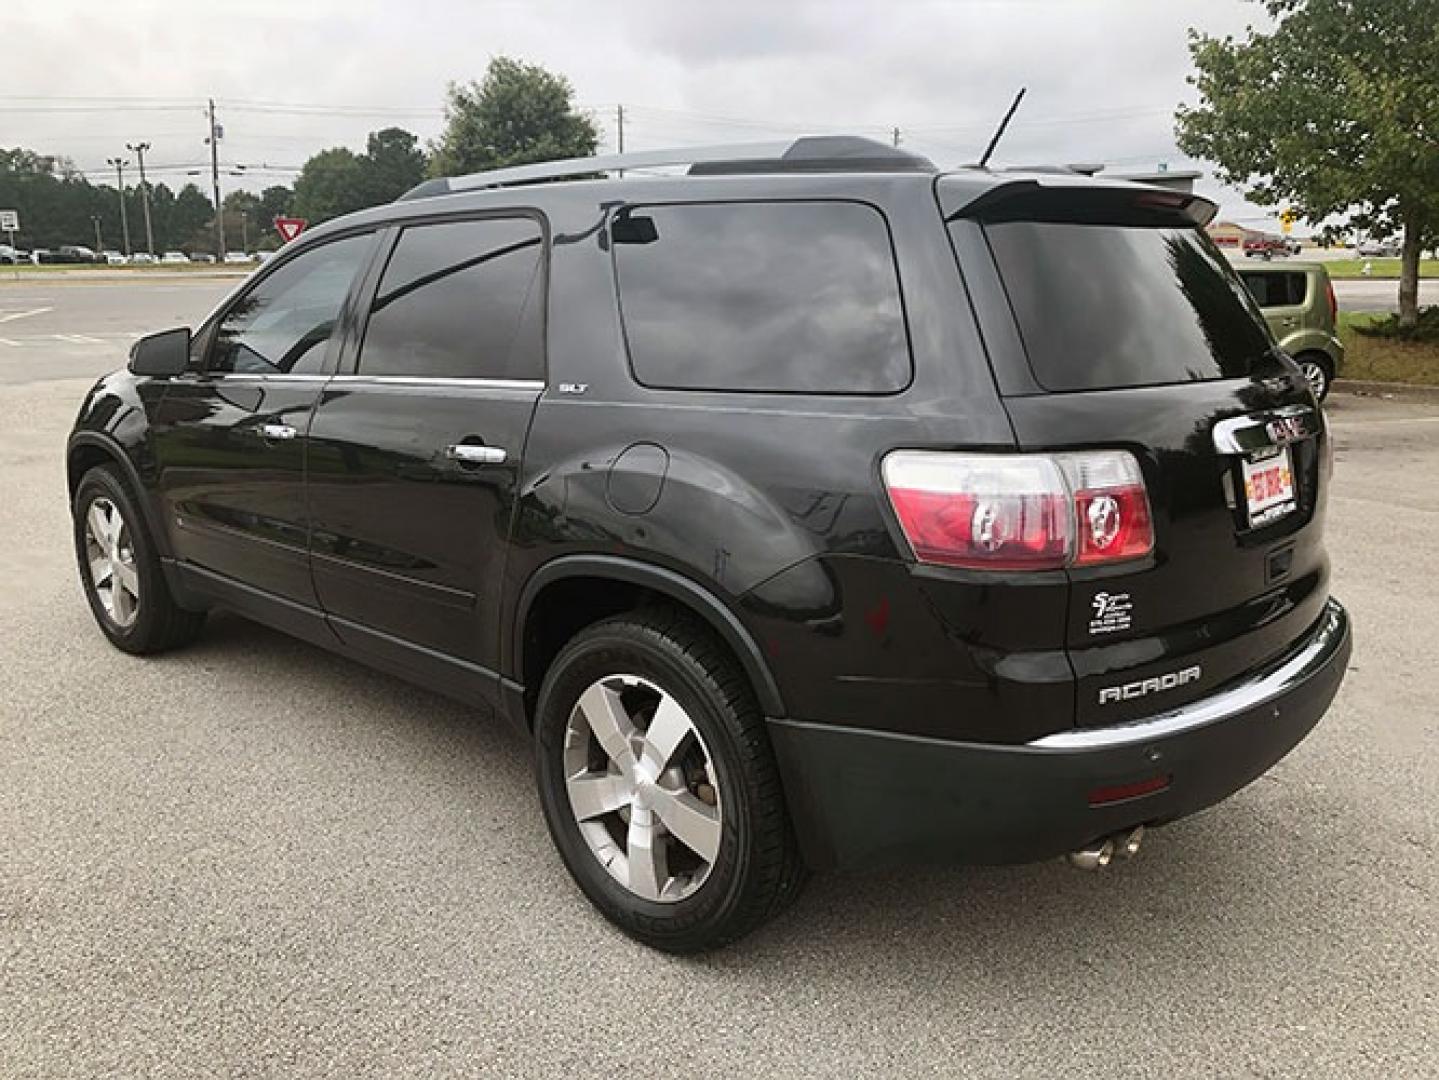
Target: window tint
{"x":284,"y":323}
{"x":1102,"y":306}
{"x":459,"y":300}
{"x":762,"y":297}
{"x":1275,"y":290}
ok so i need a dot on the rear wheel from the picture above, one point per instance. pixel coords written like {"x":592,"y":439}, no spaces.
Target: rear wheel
{"x":659,"y":785}
{"x":120,"y":569}
{"x":1318,"y":371}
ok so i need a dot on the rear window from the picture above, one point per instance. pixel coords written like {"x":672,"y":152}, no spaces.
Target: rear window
{"x":775,"y":297}
{"x":1105,"y":306}
{"x":1275,"y":290}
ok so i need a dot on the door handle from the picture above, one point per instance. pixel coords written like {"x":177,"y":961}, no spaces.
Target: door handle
{"x":476,"y":454}
{"x":277,"y":431}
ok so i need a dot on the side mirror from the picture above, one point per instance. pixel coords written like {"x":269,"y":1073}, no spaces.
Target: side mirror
{"x":165,"y":353}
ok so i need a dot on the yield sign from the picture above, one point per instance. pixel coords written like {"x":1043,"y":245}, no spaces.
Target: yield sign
{"x":290,"y":227}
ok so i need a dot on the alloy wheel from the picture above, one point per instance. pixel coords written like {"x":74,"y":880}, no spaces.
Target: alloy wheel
{"x":1315,"y":375}
{"x":110,"y":554}
{"x":642,"y":788}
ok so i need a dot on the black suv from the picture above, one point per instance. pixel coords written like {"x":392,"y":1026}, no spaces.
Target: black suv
{"x":812,"y":508}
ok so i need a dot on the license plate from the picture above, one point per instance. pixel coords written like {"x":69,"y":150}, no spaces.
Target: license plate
{"x":1269,"y":487}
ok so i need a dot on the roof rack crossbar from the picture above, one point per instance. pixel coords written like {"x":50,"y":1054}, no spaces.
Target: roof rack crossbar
{"x":805,"y":153}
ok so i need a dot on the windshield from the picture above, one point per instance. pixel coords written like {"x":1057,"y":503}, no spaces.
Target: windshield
{"x":1105,"y":306}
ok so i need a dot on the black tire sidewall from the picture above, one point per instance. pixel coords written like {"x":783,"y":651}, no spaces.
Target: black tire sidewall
{"x":101,"y":482}
{"x":611,"y":649}
{"x":1324,"y":364}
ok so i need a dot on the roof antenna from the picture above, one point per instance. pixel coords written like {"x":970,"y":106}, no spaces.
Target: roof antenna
{"x":1002,"y":125}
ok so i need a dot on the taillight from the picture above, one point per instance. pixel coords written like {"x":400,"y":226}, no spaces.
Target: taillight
{"x":1020,"y":511}
{"x":1333,"y":301}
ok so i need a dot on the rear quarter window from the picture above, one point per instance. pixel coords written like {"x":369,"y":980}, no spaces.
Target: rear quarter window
{"x":1111,"y":306}
{"x":767,"y":297}
{"x":1286,"y":289}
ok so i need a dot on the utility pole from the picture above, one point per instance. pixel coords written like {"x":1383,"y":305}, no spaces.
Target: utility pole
{"x":620,"y":130}
{"x":896,"y":136}
{"x":138,"y":149}
{"x":216,"y":133}
{"x":99,"y":244}
{"x":120,"y":164}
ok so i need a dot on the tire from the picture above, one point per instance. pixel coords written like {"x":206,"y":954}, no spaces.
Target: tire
{"x":724,"y":771}
{"x":1318,"y":371}
{"x":132,"y":604}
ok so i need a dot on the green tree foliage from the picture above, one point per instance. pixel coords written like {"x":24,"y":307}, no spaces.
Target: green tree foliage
{"x":393,"y":163}
{"x":338,"y":181}
{"x":518,"y":114}
{"x":331,"y":183}
{"x":1335,"y":111}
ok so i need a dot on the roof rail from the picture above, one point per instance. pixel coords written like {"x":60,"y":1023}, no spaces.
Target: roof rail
{"x":815,"y":153}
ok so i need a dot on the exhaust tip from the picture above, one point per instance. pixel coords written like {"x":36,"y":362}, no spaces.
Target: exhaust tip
{"x":1128,"y":844}
{"x":1094,"y":857}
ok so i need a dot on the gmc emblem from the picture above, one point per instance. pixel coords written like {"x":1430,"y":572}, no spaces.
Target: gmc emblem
{"x":1286,"y":430}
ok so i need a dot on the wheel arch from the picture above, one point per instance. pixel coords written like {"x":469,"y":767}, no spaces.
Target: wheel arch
{"x":87,"y":449}
{"x":622,"y":576}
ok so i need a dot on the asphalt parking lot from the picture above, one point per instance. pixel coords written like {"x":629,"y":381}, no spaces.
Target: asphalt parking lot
{"x":253,"y":858}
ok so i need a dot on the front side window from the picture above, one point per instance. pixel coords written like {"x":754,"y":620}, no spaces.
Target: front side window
{"x":460,"y":299}
{"x":766,"y":297}
{"x":283,"y":325}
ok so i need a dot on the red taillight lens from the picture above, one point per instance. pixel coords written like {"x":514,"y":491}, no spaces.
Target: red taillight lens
{"x":1333,"y":300}
{"x":1020,"y":511}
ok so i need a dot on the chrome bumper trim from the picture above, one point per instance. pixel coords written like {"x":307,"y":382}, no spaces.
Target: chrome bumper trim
{"x":1273,"y":683}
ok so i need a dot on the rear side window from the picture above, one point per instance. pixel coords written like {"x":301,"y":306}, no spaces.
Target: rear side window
{"x":460,"y":299}
{"x":776,"y":297}
{"x":1275,"y":290}
{"x":1105,"y":306}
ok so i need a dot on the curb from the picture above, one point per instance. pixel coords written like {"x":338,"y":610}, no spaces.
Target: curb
{"x":1428,"y":395}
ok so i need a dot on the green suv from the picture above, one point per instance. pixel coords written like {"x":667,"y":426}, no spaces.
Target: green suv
{"x":1298,"y":303}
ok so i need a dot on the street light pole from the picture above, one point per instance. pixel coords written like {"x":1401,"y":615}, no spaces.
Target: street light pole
{"x":99,"y":243}
{"x":138,"y":149}
{"x":120,"y":164}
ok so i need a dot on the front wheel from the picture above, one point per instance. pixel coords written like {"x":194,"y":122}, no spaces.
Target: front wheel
{"x":659,"y":785}
{"x":120,"y":569}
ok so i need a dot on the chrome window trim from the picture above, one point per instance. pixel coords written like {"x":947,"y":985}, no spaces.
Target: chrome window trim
{"x":1288,"y":673}
{"x":437,"y":380}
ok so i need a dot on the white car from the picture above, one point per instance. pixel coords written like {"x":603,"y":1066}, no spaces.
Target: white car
{"x":113,"y":258}
{"x":142,"y":258}
{"x":238,"y":257}
{"x":1379,"y":249}
{"x":174,"y":257}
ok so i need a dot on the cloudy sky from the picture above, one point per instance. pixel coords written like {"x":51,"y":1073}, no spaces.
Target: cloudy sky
{"x":84,"y":77}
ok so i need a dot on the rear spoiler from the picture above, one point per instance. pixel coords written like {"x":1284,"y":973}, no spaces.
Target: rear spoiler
{"x":1085,"y":202}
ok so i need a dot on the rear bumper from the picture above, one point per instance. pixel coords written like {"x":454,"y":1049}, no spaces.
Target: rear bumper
{"x":862,"y":797}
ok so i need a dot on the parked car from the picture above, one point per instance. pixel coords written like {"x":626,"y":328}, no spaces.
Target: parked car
{"x":12,"y":256}
{"x":1264,"y":247}
{"x":799,"y":509}
{"x":113,"y":258}
{"x":75,"y":253}
{"x":143,"y":258}
{"x":1299,"y":305}
{"x":171,"y":257}
{"x":1378,"y":249}
{"x":201,"y":257}
{"x":40,"y":256}
{"x":236,"y":257}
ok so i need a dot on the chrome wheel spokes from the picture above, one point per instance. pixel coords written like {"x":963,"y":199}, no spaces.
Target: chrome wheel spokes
{"x":642,"y":787}
{"x":110,"y":555}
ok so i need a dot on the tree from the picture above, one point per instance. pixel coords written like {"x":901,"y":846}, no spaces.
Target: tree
{"x":330,"y":184}
{"x":518,"y":114}
{"x":393,"y":163}
{"x":1335,"y":111}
